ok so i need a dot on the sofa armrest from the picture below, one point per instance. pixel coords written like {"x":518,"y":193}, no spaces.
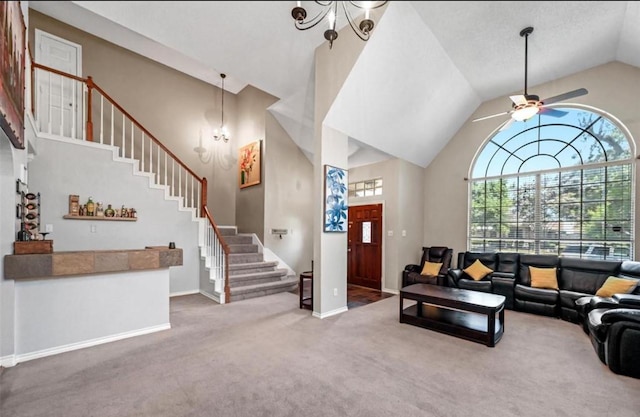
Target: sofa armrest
{"x":625,"y":300}
{"x":498,"y":274}
{"x":602,"y":302}
{"x":412,"y":268}
{"x":620,"y":314}
{"x":453,"y":276}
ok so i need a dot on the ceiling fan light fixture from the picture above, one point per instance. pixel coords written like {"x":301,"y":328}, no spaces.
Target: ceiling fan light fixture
{"x":525,"y":112}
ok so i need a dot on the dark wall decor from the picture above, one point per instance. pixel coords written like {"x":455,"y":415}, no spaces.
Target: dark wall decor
{"x":12,"y":68}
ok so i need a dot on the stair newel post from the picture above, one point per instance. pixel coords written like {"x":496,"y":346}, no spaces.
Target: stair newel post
{"x":203,"y":193}
{"x":90,"y":86}
{"x":227,"y":289}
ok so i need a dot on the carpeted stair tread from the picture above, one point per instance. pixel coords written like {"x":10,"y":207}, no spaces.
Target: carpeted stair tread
{"x":243,"y":258}
{"x":249,"y":265}
{"x":283,"y":284}
{"x":243,"y":248}
{"x":238,"y":239}
{"x":236,"y":281}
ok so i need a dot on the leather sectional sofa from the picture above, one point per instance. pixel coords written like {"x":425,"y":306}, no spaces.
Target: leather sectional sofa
{"x":613,"y":323}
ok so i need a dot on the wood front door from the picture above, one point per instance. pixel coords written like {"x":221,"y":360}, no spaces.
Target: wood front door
{"x":364,"y":259}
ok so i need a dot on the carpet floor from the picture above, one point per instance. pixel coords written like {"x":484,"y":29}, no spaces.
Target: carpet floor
{"x":266,"y":357}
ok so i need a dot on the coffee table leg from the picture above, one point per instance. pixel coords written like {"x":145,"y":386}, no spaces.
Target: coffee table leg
{"x":491,"y":329}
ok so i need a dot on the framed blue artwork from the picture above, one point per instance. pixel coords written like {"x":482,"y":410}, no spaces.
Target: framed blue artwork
{"x":335,"y":199}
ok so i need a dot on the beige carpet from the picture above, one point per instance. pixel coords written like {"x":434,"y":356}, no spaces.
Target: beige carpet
{"x":266,"y":357}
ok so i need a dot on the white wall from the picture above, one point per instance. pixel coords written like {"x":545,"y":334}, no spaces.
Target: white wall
{"x":66,"y":313}
{"x":63,"y":168}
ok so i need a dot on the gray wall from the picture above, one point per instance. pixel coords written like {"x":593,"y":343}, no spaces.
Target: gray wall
{"x":613,"y":87}
{"x":176,"y":108}
{"x":288,"y":198}
{"x":250,"y":201}
{"x":402,"y":212}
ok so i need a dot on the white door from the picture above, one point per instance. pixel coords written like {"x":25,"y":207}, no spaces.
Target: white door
{"x":59,"y":98}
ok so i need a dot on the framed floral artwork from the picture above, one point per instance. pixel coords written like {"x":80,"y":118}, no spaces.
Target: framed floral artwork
{"x":12,"y":50}
{"x":249,"y":162}
{"x":335,"y":199}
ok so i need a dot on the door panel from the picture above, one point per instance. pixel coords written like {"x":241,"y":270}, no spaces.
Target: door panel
{"x":364,"y":259}
{"x":59,"y":98}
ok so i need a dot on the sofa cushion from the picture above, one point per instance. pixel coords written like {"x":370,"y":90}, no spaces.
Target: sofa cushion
{"x":569,"y":299}
{"x":615,"y":285}
{"x":538,"y":261}
{"x":431,"y":268}
{"x":470,"y":284}
{"x":585,"y":275}
{"x":477,"y":270}
{"x":537,"y":295}
{"x":544,"y":277}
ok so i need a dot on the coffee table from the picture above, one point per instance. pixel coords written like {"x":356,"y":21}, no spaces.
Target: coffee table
{"x":458,"y":312}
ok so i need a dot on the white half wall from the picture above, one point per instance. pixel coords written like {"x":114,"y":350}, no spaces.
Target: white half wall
{"x":59,"y":314}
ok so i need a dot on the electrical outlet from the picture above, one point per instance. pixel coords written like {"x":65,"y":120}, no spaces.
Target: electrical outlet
{"x":92,"y":228}
{"x":48,"y":228}
{"x":335,"y":292}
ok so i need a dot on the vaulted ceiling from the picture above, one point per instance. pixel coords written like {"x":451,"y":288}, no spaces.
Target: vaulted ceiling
{"x":424,"y":72}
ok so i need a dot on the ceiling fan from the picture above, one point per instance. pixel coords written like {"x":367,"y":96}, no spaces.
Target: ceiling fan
{"x":526,"y":106}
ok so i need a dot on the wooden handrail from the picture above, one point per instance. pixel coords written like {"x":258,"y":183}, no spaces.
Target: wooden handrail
{"x":225,"y":248}
{"x":91,"y":84}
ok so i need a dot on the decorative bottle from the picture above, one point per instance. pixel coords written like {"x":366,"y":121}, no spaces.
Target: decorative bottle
{"x":90,"y":207}
{"x":109,"y":211}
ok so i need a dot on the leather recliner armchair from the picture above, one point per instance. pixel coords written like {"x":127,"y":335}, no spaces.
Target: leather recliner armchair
{"x":436,"y":254}
{"x":628,"y":269}
{"x":542,"y":301}
{"x":458,"y":278}
{"x":615,"y":336}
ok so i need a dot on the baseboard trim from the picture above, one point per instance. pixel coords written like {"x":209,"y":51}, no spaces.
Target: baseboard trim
{"x":390,"y":291}
{"x":210,"y":296}
{"x":181,"y":293}
{"x":8,"y":361}
{"x":88,"y":343}
{"x":330,"y":313}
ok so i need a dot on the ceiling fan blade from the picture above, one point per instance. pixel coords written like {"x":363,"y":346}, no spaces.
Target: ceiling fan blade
{"x":507,"y":125}
{"x":571,"y":94}
{"x":553,"y":112}
{"x":519,"y":100}
{"x":489,"y":117}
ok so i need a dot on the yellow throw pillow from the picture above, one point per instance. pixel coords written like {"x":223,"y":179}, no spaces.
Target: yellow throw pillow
{"x":615,"y":285}
{"x":477,"y":270}
{"x":543,"y":278}
{"x":431,"y":268}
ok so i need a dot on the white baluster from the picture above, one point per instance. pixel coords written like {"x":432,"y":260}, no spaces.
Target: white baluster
{"x":101,"y":119}
{"x":112,"y":120}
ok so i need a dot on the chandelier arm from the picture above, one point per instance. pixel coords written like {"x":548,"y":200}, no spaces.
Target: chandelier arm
{"x":311,"y":23}
{"x":361,"y":35}
{"x":359,"y":6}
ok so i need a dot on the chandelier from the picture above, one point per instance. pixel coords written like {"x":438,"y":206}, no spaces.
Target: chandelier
{"x":222,"y":133}
{"x":329,"y":9}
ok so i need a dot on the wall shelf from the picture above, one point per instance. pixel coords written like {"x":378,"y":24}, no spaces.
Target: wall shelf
{"x":119,"y":219}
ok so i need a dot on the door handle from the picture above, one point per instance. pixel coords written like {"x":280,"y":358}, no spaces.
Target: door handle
{"x":349,"y":250}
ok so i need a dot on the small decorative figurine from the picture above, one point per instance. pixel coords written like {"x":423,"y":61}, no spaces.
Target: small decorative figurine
{"x":99,"y":210}
{"x":109,"y":212}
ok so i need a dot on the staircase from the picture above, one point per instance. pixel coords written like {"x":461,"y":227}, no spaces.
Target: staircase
{"x":249,"y":274}
{"x":109,"y":126}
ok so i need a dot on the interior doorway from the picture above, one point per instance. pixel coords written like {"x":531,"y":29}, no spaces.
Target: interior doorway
{"x":364,"y":257}
{"x":59,"y":99}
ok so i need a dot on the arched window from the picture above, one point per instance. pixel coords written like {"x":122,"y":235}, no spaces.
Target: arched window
{"x":555,"y":185}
